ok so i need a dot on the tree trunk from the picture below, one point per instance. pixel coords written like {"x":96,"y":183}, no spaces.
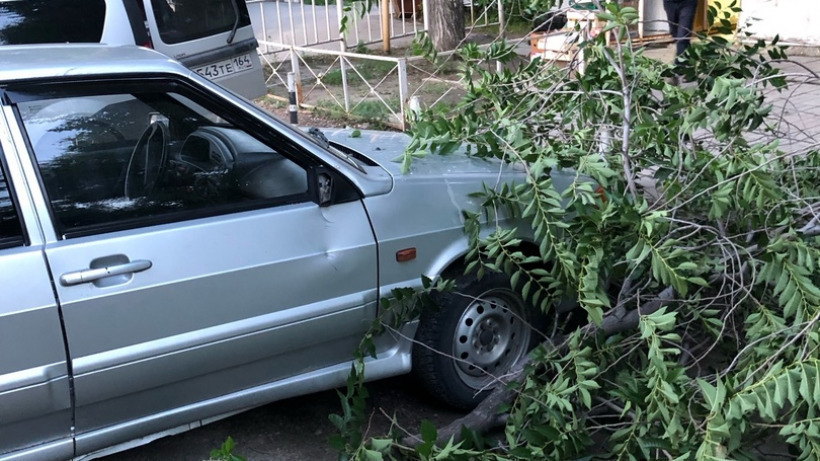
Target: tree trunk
{"x":446,"y":23}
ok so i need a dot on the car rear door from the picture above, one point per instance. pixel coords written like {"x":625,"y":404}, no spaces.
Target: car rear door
{"x":224,"y":276}
{"x":212,"y":37}
{"x":35,"y":403}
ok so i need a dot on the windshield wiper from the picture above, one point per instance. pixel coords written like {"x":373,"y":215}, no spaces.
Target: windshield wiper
{"x":235,"y":23}
{"x":319,"y":137}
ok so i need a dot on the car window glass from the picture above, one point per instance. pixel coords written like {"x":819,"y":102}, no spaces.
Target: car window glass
{"x":184,"y":20}
{"x":51,"y":21}
{"x":113,"y":161}
{"x":11,"y":233}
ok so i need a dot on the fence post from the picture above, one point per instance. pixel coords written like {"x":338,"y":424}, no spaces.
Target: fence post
{"x":293,"y":108}
{"x":279,"y":24}
{"x":502,"y":31}
{"x":386,"y":25}
{"x":401,"y":68}
{"x":264,"y":25}
{"x":425,"y":15}
{"x":297,"y":74}
{"x":292,"y":26}
{"x":342,"y":59}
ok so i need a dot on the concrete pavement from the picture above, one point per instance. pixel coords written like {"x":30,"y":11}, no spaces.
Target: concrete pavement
{"x":796,"y":110}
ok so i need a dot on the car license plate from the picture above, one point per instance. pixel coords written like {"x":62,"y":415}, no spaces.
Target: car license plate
{"x":226,"y":67}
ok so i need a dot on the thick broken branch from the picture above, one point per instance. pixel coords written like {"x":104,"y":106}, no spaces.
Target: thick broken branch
{"x":486,"y":415}
{"x":628,"y":320}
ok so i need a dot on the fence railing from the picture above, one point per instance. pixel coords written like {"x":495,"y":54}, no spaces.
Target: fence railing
{"x":316,"y":23}
{"x":293,"y":34}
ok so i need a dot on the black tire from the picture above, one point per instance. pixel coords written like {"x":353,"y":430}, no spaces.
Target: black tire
{"x":479,"y":331}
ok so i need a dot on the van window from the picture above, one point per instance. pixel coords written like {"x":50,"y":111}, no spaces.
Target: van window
{"x":184,"y":20}
{"x":51,"y":21}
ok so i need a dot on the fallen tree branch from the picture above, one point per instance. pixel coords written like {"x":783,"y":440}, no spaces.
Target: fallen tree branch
{"x":486,"y":415}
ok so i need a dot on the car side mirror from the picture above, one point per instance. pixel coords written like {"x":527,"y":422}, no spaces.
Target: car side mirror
{"x":322,"y":186}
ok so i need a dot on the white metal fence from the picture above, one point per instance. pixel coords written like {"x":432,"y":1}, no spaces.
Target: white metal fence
{"x":292,"y":32}
{"x":314,"y":23}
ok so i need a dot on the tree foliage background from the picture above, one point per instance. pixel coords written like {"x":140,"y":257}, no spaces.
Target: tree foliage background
{"x":688,"y":237}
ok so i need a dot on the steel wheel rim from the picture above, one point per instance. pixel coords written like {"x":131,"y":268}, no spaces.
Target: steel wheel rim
{"x":490,"y":336}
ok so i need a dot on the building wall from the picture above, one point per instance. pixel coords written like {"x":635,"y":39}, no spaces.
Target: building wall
{"x":796,"y":21}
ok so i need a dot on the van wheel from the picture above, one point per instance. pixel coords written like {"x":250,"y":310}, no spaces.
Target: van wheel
{"x":480,"y":330}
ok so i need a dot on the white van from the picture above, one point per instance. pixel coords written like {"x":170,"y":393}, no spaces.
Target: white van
{"x":212,"y":37}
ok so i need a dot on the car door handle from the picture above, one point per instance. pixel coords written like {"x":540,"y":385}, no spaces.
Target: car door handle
{"x":90,"y":275}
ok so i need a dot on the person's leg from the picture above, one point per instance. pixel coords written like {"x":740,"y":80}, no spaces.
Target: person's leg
{"x":673,"y":9}
{"x":672,"y":12}
{"x":686,"y":22}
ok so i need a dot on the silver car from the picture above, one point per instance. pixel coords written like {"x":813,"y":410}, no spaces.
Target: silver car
{"x":170,"y":254}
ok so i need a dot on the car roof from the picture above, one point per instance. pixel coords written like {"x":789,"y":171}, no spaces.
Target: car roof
{"x":25,"y":62}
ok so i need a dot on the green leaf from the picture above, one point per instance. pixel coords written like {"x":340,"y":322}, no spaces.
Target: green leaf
{"x":337,"y":420}
{"x":428,"y":431}
{"x":709,"y":393}
{"x":381,"y":444}
{"x":698,"y":281}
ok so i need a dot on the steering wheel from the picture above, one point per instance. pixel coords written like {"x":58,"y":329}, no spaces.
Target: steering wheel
{"x":147,"y":161}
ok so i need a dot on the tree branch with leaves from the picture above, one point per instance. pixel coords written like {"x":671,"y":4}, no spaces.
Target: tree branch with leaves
{"x":686,"y":234}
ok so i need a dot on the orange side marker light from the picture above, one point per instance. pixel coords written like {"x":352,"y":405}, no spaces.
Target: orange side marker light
{"x":407,"y":254}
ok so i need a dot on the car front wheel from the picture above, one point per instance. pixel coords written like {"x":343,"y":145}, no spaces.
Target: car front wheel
{"x":480,"y":330}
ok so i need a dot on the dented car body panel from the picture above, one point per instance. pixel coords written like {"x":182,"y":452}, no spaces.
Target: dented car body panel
{"x":443,"y":185}
{"x":171,"y":254}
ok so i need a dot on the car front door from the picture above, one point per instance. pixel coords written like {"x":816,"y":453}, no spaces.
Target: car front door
{"x":35,"y":402}
{"x":192,"y":261}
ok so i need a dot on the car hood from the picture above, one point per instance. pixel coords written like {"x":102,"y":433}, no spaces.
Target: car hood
{"x":385,"y":148}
